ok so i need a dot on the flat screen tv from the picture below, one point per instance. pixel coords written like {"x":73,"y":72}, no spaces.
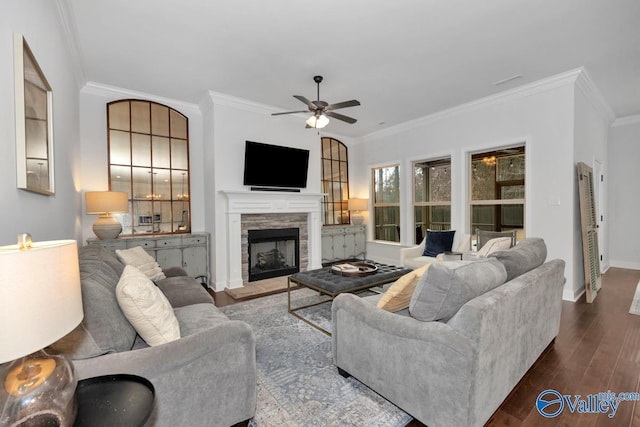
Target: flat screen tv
{"x":269,"y":166}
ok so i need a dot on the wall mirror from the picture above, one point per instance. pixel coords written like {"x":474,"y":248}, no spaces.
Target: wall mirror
{"x":34,"y":122}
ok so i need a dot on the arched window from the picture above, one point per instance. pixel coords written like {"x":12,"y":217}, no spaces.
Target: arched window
{"x":149,"y":160}
{"x":335,"y":181}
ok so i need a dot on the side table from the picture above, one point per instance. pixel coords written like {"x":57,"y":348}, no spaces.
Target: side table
{"x":114,"y":400}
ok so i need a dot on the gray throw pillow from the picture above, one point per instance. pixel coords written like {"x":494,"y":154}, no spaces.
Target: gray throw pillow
{"x":447,"y":286}
{"x":528,"y":254}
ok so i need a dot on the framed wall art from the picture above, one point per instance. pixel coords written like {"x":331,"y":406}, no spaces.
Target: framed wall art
{"x":34,"y":122}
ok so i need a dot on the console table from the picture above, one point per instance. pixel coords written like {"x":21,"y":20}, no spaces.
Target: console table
{"x":189,"y":251}
{"x":341,"y":242}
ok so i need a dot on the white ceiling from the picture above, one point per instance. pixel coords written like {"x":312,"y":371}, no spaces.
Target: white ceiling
{"x":401,"y":59}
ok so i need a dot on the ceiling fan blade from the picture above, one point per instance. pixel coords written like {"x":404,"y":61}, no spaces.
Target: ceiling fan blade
{"x":345,"y":104}
{"x":289,"y":112}
{"x":342,"y":117}
{"x":304,"y":100}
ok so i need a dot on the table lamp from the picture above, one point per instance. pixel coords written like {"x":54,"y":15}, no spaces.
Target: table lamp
{"x":40,"y":302}
{"x":105,"y":203}
{"x":357,"y":205}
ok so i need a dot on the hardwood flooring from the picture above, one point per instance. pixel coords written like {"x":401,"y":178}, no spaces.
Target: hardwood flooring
{"x":597,"y":350}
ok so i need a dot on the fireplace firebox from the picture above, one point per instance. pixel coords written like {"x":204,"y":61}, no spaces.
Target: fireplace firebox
{"x":273,"y":252}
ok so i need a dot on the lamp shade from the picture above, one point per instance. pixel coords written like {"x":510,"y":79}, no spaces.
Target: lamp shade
{"x":106,"y":202}
{"x":358,"y":204}
{"x":40,"y":297}
{"x":318,"y":121}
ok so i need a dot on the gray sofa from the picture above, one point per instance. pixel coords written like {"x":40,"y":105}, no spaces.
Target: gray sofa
{"x":476,"y":339}
{"x":205,"y":378}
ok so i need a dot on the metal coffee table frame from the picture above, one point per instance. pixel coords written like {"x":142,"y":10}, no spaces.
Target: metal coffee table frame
{"x":306,"y":279}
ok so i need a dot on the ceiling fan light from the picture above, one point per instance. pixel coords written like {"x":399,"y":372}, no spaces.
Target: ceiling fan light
{"x":318,"y":121}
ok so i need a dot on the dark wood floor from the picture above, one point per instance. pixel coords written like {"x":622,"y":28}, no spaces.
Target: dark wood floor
{"x":598,"y":349}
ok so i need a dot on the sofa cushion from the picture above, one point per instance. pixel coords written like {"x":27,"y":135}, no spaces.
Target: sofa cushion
{"x":398,"y":296}
{"x":528,"y":254}
{"x":104,"y":328}
{"x":198,"y":317}
{"x":494,"y":245}
{"x":438,"y":242}
{"x":139,"y":258}
{"x":447,"y":286}
{"x":146,"y":308}
{"x":183,"y":290}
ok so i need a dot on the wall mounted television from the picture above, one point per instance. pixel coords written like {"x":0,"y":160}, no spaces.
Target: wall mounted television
{"x":268,"y":166}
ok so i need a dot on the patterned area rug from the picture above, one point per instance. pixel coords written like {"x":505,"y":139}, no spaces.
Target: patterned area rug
{"x":298,"y":385}
{"x":635,"y":305}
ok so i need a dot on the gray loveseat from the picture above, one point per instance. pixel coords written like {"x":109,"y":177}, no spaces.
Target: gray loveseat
{"x":458,"y":369}
{"x":205,"y":378}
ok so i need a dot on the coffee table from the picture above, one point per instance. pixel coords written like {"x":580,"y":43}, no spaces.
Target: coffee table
{"x":326,"y":282}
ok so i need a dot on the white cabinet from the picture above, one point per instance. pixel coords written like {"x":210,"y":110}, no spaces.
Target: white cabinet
{"x":342,"y":242}
{"x":189,"y":251}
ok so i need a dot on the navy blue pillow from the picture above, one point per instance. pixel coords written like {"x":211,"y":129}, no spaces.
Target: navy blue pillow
{"x":438,"y":242}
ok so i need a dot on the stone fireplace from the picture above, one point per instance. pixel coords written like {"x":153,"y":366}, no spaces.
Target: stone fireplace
{"x":269,"y":210}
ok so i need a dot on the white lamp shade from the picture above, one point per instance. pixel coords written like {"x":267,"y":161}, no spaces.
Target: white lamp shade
{"x":318,"y":121}
{"x":358,"y":204}
{"x":40,"y":297}
{"x":106,"y":202}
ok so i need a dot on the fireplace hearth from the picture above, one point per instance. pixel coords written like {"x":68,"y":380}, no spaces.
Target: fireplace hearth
{"x":273,"y":253}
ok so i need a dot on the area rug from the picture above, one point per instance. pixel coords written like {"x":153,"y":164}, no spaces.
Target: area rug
{"x":298,"y":385}
{"x":635,"y":305}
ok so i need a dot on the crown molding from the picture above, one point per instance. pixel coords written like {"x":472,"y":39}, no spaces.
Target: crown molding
{"x":594,"y":96}
{"x":625,"y":121}
{"x":218,"y":98}
{"x":559,"y":80}
{"x":108,"y":91}
{"x":66,"y":16}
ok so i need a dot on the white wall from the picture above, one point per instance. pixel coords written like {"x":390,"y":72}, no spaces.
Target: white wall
{"x":591,"y":128}
{"x":624,"y":197}
{"x":541,"y":115}
{"x":45,"y":217}
{"x":229,"y":122}
{"x":93,"y":130}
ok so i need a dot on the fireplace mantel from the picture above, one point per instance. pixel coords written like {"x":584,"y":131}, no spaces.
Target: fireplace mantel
{"x":273,"y":202}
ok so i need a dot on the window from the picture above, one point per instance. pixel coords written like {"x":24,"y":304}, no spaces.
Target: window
{"x":497,"y":190}
{"x":335,"y":182}
{"x":149,"y":160}
{"x":431,"y":196}
{"x":386,"y":203}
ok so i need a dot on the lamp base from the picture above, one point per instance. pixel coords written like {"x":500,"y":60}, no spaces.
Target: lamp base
{"x":357,"y":219}
{"x":106,"y":227}
{"x":39,"y":390}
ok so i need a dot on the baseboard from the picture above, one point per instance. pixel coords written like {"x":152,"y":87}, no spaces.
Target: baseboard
{"x":573,"y":296}
{"x":625,"y":264}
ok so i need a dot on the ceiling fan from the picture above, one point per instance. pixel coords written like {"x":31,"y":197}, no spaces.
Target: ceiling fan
{"x":322,"y":109}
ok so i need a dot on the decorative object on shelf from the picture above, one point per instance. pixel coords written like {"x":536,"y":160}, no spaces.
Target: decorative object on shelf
{"x":105,"y":203}
{"x":357,"y":206}
{"x":321,"y":109}
{"x":34,"y":122}
{"x":40,"y":302}
{"x":354,"y":269}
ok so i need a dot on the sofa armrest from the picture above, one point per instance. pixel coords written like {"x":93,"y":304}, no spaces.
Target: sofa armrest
{"x":375,"y":346}
{"x":411,"y":252}
{"x":208,"y":375}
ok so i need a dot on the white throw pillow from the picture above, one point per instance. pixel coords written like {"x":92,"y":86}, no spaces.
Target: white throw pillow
{"x":146,"y":307}
{"x":140,"y":259}
{"x":495,"y":245}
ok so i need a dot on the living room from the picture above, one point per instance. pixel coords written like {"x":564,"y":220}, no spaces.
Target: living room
{"x":561,"y":117}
